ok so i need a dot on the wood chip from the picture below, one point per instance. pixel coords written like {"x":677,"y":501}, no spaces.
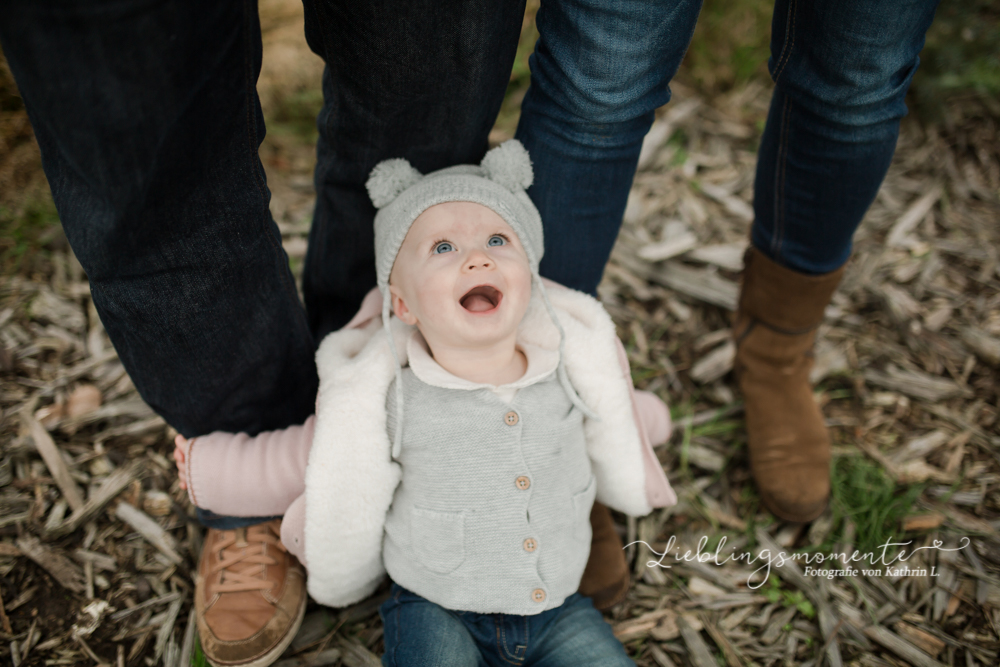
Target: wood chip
{"x":923,"y":640}
{"x":715,"y":364}
{"x":85,"y":398}
{"x":167,"y":628}
{"x":676,"y":245}
{"x":53,"y":460}
{"x":727,"y":256}
{"x":663,"y":127}
{"x":62,"y":569}
{"x":660,"y":657}
{"x":100,"y":561}
{"x":913,"y":215}
{"x":702,"y":284}
{"x":113,"y":484}
{"x":663,"y":620}
{"x":985,"y":346}
{"x":920,"y":522}
{"x":733,"y":656}
{"x":913,"y":383}
{"x":150,"y":530}
{"x":48,"y":307}
{"x":356,"y":655}
{"x":698,"y":650}
{"x":900,"y":647}
{"x":731,"y":203}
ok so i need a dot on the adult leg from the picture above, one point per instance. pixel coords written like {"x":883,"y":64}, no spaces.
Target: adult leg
{"x":149,"y":125}
{"x":148,"y":122}
{"x":599,"y":71}
{"x":421,"y":80}
{"x":841,"y":71}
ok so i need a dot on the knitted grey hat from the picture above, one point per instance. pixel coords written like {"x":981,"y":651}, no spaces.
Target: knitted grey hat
{"x":401,"y":194}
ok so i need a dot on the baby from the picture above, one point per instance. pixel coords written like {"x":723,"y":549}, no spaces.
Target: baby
{"x":460,"y":445}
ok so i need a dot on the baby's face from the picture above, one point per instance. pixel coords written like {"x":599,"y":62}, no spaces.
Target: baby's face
{"x":461,"y":276}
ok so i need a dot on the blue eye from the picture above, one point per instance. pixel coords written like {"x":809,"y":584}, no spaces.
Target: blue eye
{"x":497,"y":240}
{"x":443,"y":247}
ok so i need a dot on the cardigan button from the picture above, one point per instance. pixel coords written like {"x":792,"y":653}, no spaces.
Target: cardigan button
{"x":511,"y":418}
{"x":538,"y":595}
{"x":530,"y":544}
{"x":522,"y":482}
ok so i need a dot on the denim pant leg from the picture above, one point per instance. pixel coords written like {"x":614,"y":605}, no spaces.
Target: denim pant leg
{"x":599,"y":71}
{"x":419,"y":633}
{"x":575,"y":635}
{"x":148,"y":122}
{"x":422,"y":80}
{"x":842,"y":69}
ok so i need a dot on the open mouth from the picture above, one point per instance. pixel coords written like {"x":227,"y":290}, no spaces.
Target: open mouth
{"x":481,"y":299}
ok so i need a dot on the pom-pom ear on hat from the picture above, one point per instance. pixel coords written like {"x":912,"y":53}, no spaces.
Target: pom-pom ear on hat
{"x":509,"y":165}
{"x":389,"y":178}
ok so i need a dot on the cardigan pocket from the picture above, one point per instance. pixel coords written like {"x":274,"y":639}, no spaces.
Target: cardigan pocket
{"x":438,"y":539}
{"x":582,"y":504}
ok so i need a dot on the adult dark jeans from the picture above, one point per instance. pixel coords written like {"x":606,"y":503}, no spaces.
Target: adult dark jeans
{"x":600,"y":68}
{"x":149,"y":124}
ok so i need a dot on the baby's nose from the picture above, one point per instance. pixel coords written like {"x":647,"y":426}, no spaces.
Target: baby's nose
{"x":478,"y":260}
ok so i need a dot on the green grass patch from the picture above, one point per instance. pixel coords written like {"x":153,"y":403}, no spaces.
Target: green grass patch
{"x":720,"y":427}
{"x":775,"y":594}
{"x":198,"y":658}
{"x":961,"y":56}
{"x":294,"y":113}
{"x":24,"y":233}
{"x":864,"y":494}
{"x":730,"y":46}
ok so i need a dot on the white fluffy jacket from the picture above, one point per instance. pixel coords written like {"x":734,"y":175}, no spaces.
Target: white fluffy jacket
{"x":351,"y":449}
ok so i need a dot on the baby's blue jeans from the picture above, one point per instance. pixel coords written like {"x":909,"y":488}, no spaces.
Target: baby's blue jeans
{"x":148,"y":120}
{"x":419,"y":633}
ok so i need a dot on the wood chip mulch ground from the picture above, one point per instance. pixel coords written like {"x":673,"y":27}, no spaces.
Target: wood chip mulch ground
{"x":98,"y":543}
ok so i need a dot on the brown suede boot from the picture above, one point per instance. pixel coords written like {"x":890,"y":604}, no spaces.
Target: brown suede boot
{"x":606,"y":578}
{"x":250,"y":596}
{"x":775,"y":328}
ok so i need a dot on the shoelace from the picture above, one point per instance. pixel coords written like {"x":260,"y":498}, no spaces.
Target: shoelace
{"x":243,"y":560}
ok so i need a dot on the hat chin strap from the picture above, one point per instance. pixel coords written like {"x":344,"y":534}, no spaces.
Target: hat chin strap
{"x":397,"y":439}
{"x":561,"y":369}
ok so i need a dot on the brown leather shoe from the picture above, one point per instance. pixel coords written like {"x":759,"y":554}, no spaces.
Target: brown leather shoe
{"x":250,"y":596}
{"x":606,"y":577}
{"x":775,"y":328}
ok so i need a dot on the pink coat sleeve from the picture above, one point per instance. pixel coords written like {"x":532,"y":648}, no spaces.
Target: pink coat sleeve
{"x":236,"y":475}
{"x":239,"y":475}
{"x":653,"y":419}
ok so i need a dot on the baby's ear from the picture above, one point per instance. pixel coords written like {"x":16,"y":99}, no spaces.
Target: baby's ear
{"x":509,"y":165}
{"x":389,"y":178}
{"x":399,"y":307}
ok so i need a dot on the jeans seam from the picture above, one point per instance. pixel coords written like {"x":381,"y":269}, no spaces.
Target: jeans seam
{"x":779,"y":181}
{"x":502,"y":643}
{"x":391,"y":652}
{"x":789,"y":45}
